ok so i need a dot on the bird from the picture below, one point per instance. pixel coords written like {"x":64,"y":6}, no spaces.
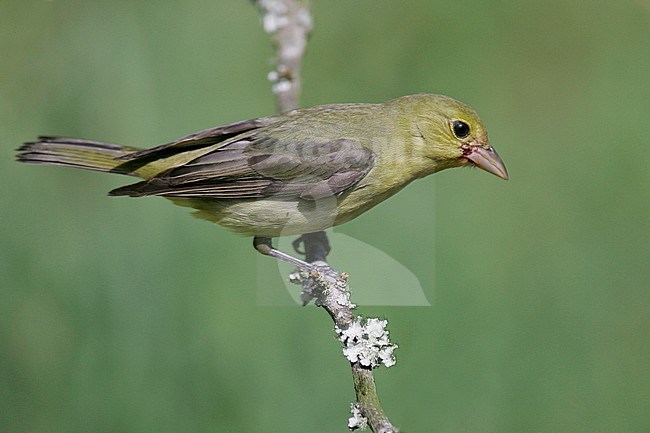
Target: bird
{"x":294,"y":173}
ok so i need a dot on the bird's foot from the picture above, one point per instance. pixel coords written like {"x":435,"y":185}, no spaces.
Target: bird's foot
{"x":316,"y":246}
{"x":316,"y":282}
{"x":314,"y":275}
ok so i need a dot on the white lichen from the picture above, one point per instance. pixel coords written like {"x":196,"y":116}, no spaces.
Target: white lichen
{"x":275,"y":15}
{"x":281,"y":85}
{"x":367,"y":342}
{"x":273,"y":76}
{"x":357,"y":420}
{"x":343,"y":299}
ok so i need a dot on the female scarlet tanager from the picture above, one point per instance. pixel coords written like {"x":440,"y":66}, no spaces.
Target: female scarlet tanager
{"x":293,"y":173}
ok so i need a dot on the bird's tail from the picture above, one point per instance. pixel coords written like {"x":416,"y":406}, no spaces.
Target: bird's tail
{"x":76,"y":152}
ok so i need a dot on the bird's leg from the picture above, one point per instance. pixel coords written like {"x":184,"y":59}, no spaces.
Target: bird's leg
{"x":313,"y":275}
{"x":316,"y":246}
{"x":264,"y":246}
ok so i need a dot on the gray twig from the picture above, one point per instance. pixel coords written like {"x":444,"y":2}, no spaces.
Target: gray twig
{"x":289,"y":23}
{"x":365,"y":341}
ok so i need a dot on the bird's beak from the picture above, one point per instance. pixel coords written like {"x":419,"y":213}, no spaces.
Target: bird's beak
{"x":487,"y":159}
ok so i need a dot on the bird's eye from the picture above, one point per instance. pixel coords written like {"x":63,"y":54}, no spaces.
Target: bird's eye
{"x":460,"y":128}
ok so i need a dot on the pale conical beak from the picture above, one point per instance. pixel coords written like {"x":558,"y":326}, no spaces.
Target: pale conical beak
{"x":487,"y":159}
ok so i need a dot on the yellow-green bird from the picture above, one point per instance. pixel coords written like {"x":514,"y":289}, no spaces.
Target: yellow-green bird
{"x":294,"y":173}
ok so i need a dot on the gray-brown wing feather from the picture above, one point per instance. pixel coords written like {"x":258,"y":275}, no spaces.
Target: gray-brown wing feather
{"x":203,"y":138}
{"x":264,"y":167}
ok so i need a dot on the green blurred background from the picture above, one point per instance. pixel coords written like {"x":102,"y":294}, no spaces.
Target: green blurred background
{"x":123,"y":315}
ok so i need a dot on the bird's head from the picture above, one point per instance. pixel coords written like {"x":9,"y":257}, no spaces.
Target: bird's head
{"x":452,"y":135}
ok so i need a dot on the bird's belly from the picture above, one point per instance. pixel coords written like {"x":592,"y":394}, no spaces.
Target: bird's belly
{"x":266,"y":217}
{"x":276,"y":217}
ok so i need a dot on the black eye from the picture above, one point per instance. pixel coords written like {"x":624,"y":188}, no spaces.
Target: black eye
{"x":460,"y":128}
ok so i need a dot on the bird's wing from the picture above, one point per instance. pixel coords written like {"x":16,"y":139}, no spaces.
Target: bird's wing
{"x":207,"y":137}
{"x":259,"y":167}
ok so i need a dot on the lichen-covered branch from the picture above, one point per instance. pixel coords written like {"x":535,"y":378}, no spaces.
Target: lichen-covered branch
{"x":365,"y":341}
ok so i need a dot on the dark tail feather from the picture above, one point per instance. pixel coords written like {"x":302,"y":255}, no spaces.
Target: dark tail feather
{"x":76,"y":152}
